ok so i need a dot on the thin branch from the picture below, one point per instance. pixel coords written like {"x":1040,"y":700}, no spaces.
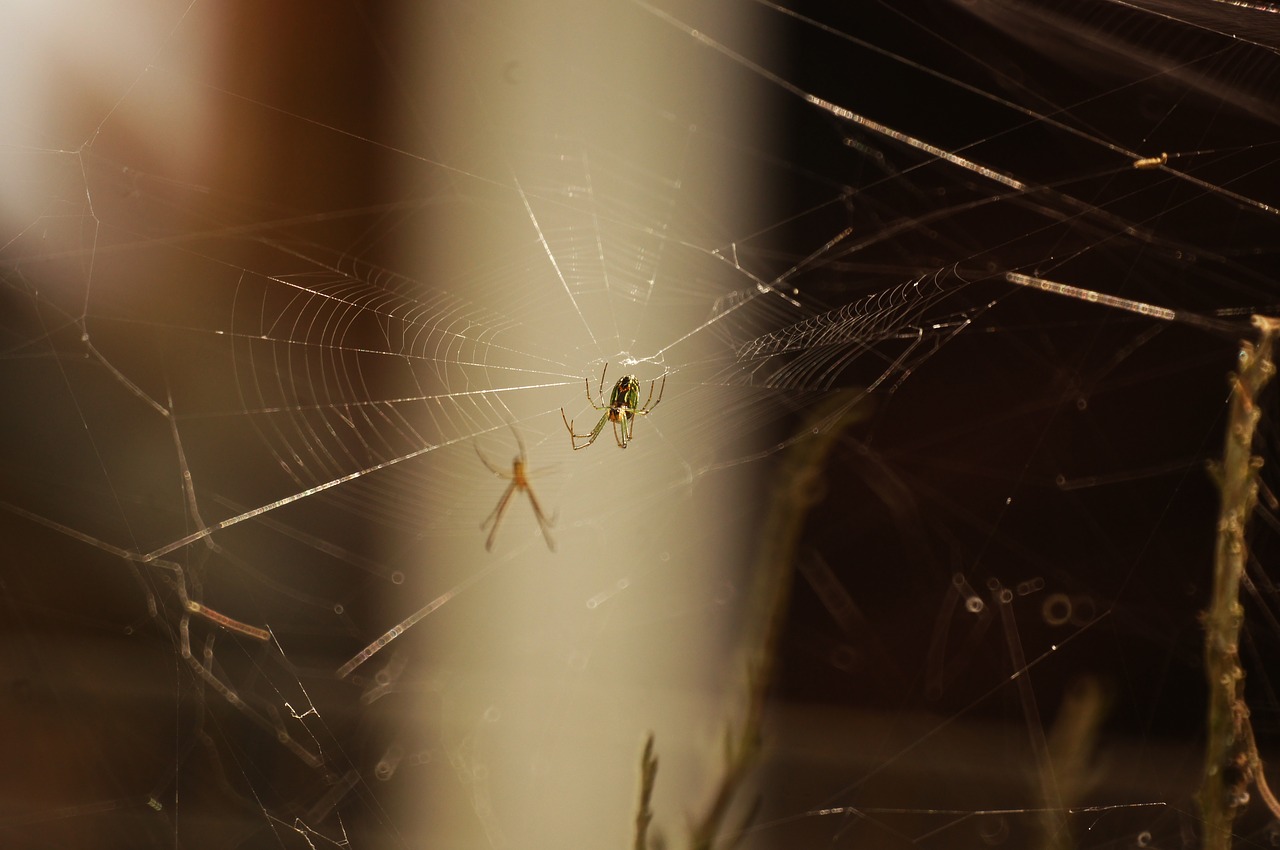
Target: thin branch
{"x":1259,"y":778}
{"x":798,"y":488}
{"x":1231,"y":759}
{"x":648,"y":774}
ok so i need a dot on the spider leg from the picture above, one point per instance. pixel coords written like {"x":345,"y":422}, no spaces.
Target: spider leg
{"x":519,"y":442}
{"x":645,"y":410}
{"x":626,"y":429}
{"x":495,"y":470}
{"x":543,"y":522}
{"x":600,"y":395}
{"x":574,"y":436}
{"x":595,"y":432}
{"x":496,"y":516}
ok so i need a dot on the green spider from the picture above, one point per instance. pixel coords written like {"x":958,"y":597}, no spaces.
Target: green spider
{"x":624,"y":406}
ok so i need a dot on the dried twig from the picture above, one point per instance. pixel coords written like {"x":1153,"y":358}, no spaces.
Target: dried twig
{"x":798,"y":487}
{"x":1231,"y":760}
{"x":648,"y":776}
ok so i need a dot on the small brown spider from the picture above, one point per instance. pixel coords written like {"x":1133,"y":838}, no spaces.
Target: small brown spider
{"x":519,"y":478}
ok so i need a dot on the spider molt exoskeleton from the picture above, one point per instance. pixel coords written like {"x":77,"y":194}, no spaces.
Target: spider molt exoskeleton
{"x":622,"y":409}
{"x":519,"y":477}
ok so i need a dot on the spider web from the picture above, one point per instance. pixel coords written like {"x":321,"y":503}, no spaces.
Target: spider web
{"x":261,"y":315}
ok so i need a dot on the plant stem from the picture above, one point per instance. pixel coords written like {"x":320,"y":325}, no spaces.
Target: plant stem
{"x":1231,"y":760}
{"x":648,"y":776}
{"x":798,"y":487}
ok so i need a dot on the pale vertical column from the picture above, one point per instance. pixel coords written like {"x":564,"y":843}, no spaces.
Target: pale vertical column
{"x":572,"y":657}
